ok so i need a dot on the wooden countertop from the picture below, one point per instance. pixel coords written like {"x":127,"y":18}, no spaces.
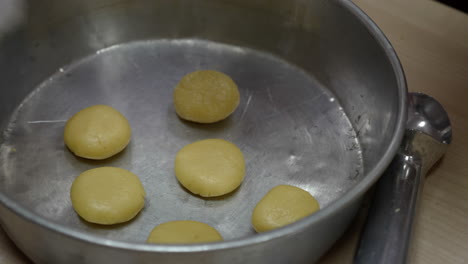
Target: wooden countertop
{"x":432,"y":43}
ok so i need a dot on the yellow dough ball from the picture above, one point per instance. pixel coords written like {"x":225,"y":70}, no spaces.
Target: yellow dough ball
{"x":282,"y":205}
{"x":210,"y":167}
{"x":97,"y":132}
{"x":107,"y":195}
{"x":206,"y":96}
{"x":183,"y":232}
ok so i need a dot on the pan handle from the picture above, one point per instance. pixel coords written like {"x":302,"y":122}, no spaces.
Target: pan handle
{"x":387,"y":232}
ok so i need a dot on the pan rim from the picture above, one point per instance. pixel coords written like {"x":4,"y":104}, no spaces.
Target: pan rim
{"x":355,"y":193}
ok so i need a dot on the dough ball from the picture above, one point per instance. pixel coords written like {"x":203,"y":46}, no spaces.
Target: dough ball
{"x":210,"y":167}
{"x":282,"y":205}
{"x":97,"y":132}
{"x":107,"y":195}
{"x":183,"y":232}
{"x":206,"y":96}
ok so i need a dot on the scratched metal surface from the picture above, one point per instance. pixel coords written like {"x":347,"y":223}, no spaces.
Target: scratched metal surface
{"x":290,"y":129}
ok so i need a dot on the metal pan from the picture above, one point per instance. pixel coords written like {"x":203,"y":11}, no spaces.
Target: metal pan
{"x":322,"y":108}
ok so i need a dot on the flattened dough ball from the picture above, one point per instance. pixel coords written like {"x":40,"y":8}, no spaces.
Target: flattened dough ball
{"x":107,"y":195}
{"x":282,"y":205}
{"x":183,"y":232}
{"x":206,"y":96}
{"x":210,"y":167}
{"x":97,"y":132}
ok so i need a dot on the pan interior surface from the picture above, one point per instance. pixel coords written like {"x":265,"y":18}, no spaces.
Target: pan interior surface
{"x":290,"y":128}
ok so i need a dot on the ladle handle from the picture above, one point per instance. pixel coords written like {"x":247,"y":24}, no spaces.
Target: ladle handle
{"x":387,"y":232}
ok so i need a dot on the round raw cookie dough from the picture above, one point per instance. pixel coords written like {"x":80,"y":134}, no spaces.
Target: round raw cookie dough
{"x":210,"y":167}
{"x":107,"y":195}
{"x":183,"y":232}
{"x":282,"y":205}
{"x":97,"y":132}
{"x":206,"y":96}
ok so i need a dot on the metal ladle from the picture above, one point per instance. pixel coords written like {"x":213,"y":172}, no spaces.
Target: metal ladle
{"x":387,"y":232}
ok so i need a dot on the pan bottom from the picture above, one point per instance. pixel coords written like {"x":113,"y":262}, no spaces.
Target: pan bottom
{"x":289,"y":127}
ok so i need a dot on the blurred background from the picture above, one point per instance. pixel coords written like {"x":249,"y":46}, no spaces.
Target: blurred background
{"x":461,"y":5}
